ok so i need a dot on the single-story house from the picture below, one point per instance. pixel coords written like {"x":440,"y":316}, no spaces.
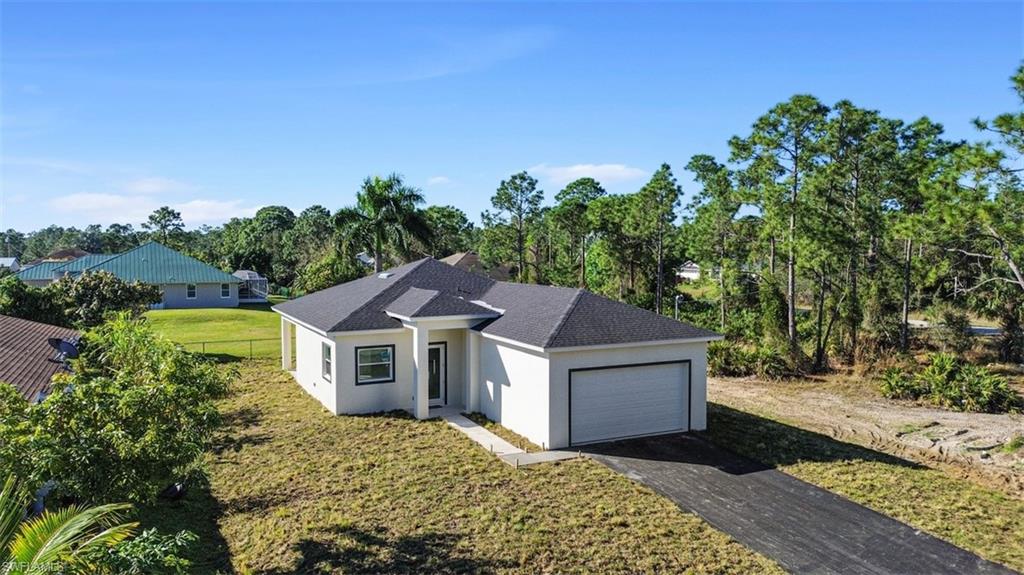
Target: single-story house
{"x":9,"y":264}
{"x":184,"y":281}
{"x":470,"y":261}
{"x":560,"y":366}
{"x":27,"y":361}
{"x":688,"y":271}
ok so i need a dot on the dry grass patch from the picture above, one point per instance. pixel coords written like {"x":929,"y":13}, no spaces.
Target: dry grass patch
{"x":985,"y":521}
{"x":293,"y":488}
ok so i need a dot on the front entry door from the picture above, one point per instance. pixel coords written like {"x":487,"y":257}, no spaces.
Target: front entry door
{"x":438,"y":373}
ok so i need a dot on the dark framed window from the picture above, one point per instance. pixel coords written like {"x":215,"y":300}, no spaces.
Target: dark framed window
{"x":375,"y":364}
{"x":328,"y":360}
{"x":190,"y":291}
{"x":225,"y":290}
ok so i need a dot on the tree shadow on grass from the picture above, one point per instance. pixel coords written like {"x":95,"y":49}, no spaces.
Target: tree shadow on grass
{"x":199,"y":512}
{"x":234,"y":433}
{"x":778,"y":444}
{"x":354,"y":550}
{"x":737,"y":443}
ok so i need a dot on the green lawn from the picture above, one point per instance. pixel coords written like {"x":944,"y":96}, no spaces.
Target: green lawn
{"x":233,"y":325}
{"x":985,"y":521}
{"x":292,"y":488}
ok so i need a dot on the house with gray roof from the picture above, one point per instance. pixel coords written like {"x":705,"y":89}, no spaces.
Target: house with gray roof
{"x":9,"y":264}
{"x":184,"y":281}
{"x":560,"y":366}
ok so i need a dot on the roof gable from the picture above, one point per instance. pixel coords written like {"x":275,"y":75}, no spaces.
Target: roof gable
{"x":39,"y":271}
{"x":154,"y":263}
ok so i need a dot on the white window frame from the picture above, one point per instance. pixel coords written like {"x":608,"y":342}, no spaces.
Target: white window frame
{"x":391,"y":364}
{"x":225,"y":291}
{"x":326,"y":360}
{"x":193,"y":288}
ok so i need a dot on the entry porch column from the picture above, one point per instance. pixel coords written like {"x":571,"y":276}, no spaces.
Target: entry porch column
{"x":286,"y":344}
{"x":420,"y":372}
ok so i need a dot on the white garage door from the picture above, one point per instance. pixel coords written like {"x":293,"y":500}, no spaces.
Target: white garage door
{"x":616,"y":402}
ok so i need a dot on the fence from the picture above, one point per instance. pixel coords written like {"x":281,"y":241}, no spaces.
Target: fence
{"x":236,"y":349}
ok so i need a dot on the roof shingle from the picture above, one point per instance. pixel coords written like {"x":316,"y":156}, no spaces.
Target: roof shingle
{"x":542,"y":316}
{"x":25,"y":355}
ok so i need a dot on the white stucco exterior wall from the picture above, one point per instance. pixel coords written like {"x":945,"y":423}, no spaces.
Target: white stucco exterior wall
{"x":562,"y":362}
{"x":308,"y":370}
{"x":514,"y":389}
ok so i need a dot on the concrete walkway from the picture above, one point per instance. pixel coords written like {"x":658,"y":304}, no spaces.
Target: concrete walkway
{"x":504,"y":450}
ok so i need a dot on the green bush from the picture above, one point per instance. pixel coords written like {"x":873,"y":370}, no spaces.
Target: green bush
{"x":897,"y":385}
{"x":136,"y":414}
{"x":951,"y":331}
{"x":728,"y":359}
{"x":950,"y":382}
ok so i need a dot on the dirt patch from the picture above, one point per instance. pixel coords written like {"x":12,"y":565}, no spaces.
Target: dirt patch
{"x":978,"y":446}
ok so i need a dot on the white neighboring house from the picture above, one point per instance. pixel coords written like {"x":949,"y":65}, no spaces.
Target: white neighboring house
{"x":689,"y":271}
{"x":9,"y":264}
{"x":560,"y":366}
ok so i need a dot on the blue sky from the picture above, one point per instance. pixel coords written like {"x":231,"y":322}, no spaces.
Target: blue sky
{"x":110,"y":110}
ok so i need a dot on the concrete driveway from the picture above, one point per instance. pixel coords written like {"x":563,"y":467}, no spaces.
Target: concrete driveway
{"x":804,"y":528}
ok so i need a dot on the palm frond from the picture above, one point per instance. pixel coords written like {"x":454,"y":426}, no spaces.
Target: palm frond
{"x":60,"y":535}
{"x":12,"y":510}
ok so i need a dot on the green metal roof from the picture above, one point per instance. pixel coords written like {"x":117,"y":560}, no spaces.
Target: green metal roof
{"x":155,"y":263}
{"x":39,"y":271}
{"x":85,"y":262}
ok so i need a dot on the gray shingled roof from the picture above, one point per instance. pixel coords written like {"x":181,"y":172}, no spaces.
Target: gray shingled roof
{"x":542,"y":316}
{"x":416,"y":302}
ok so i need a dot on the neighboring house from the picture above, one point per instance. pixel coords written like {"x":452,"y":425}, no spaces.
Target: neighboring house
{"x":26,"y":359}
{"x":40,"y":274}
{"x":64,"y":255}
{"x":365,"y":259}
{"x":9,"y":264}
{"x":184,"y":281}
{"x":560,"y":366}
{"x":688,"y":271}
{"x":470,"y":262}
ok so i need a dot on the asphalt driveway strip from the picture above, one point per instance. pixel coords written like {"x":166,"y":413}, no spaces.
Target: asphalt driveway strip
{"x":805,"y":528}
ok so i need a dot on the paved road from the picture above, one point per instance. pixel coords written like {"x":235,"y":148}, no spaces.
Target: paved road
{"x":804,"y":528}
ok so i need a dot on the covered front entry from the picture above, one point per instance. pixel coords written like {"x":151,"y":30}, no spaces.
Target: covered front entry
{"x":437,"y":366}
{"x":617,"y":401}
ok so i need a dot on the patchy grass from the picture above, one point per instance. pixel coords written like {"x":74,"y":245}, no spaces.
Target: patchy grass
{"x":292,"y":488}
{"x":1013,"y":445}
{"x":233,"y":325}
{"x":981,"y":520}
{"x":504,"y":433}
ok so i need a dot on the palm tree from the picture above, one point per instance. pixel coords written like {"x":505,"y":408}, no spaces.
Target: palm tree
{"x":385,"y":215}
{"x":67,"y":537}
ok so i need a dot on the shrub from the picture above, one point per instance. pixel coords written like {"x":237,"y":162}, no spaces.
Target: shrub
{"x":728,"y":359}
{"x":896,"y":385}
{"x":950,"y":382}
{"x":951,"y":331}
{"x":136,"y":414}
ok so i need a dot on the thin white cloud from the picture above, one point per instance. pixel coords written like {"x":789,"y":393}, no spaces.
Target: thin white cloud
{"x":49,"y":165}
{"x":438,"y":181}
{"x":156,"y":185}
{"x":213,"y":211}
{"x":603,"y":173}
{"x":105,"y":208}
